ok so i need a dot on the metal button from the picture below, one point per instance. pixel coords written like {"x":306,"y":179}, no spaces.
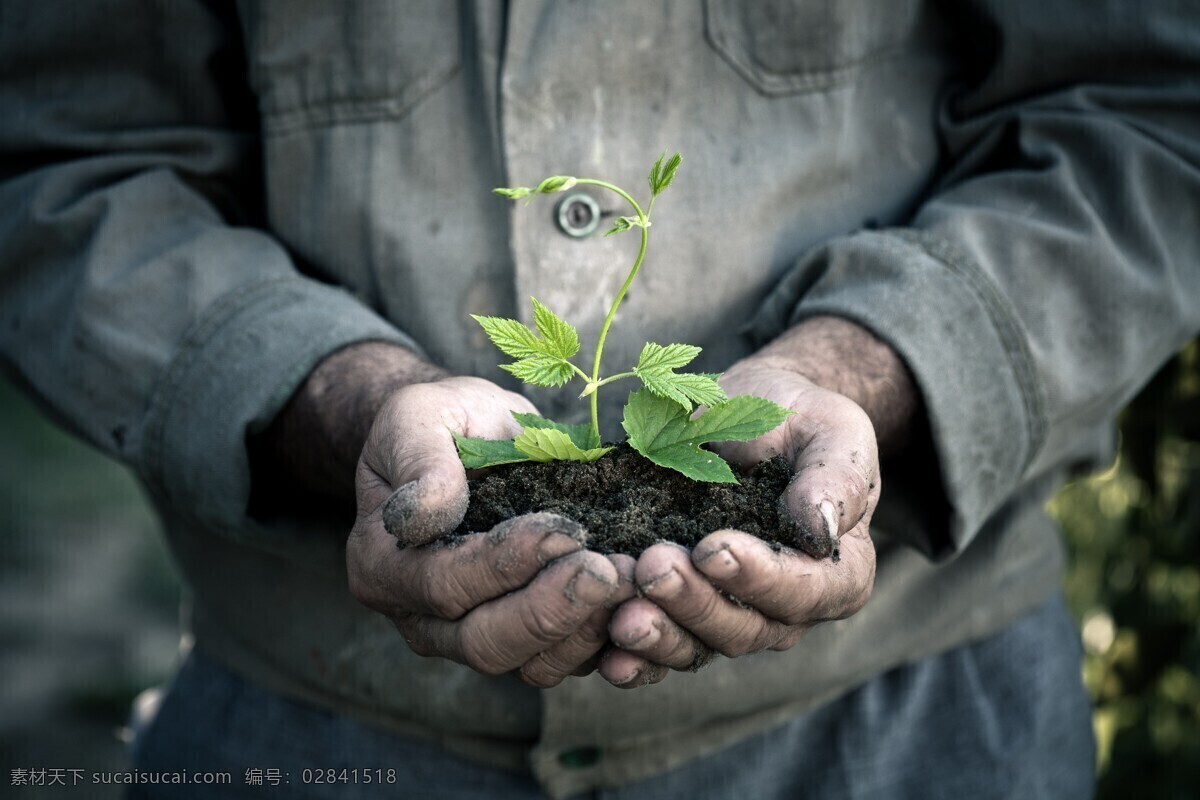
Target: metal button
{"x":578,"y":215}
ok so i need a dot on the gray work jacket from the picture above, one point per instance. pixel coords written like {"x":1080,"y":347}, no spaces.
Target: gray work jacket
{"x":201,"y":200}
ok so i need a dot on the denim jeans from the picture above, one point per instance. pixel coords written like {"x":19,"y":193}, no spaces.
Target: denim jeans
{"x":1005,"y":717}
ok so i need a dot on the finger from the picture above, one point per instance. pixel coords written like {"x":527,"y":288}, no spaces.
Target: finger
{"x":626,"y":670}
{"x":589,"y":666}
{"x":579,"y":654}
{"x":642,"y":628}
{"x":625,"y":566}
{"x":431,"y":506}
{"x":549,"y":667}
{"x":411,"y":448}
{"x":667,"y":578}
{"x":503,"y":634}
{"x":785,"y":585}
{"x":422,"y":509}
{"x":414,"y":461}
{"x":836,"y":483}
{"x":450,"y":577}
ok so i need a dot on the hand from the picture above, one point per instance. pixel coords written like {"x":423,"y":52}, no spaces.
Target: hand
{"x":524,"y":596}
{"x":735,"y":595}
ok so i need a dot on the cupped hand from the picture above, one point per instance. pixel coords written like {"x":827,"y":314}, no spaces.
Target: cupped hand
{"x":526,"y":596}
{"x":733,"y":594}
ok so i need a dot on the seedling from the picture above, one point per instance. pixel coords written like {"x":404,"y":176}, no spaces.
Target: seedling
{"x":658,"y":416}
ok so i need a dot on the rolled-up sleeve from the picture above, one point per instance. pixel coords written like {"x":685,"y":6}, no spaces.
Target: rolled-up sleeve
{"x":143,"y":304}
{"x":1056,"y":265}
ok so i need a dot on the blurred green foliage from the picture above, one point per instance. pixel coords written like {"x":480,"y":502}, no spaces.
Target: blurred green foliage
{"x":1133,"y":533}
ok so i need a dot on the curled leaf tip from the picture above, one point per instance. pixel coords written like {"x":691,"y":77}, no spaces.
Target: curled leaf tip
{"x":555,"y":183}
{"x":512,"y":193}
{"x":662,"y":174}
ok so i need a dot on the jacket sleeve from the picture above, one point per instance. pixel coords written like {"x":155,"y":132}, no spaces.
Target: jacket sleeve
{"x":140,"y":303}
{"x":1056,"y":266}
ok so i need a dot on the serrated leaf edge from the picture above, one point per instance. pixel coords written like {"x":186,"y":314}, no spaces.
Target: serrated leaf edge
{"x":655,"y":356}
{"x":696,"y":433}
{"x":582,"y":435}
{"x":559,"y":372}
{"x":461,"y":443}
{"x":558,"y":336}
{"x":534,"y":442}
{"x":674,"y":386}
{"x":527,"y":342}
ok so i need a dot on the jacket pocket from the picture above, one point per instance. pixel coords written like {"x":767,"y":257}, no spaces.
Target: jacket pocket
{"x":792,"y":46}
{"x":314,"y":62}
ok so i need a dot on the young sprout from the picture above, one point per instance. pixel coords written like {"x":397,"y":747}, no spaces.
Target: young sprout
{"x":657,"y":417}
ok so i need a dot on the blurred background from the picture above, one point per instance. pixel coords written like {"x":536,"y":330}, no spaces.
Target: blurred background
{"x":89,"y":597}
{"x":88,"y":603}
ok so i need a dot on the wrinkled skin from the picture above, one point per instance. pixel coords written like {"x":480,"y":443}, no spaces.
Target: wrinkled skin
{"x":525,"y":597}
{"x":528,"y":596}
{"x":686,"y":613}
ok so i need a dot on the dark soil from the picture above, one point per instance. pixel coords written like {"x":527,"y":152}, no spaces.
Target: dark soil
{"x":627,"y":503}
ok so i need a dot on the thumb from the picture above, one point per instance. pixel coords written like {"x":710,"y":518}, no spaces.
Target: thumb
{"x":430,"y":506}
{"x":411,"y":470}
{"x":418,"y":481}
{"x":836,"y":483}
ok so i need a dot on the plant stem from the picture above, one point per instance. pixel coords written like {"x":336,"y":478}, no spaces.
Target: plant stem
{"x":612,"y":311}
{"x":578,"y":371}
{"x":593,"y":387}
{"x":616,"y":377}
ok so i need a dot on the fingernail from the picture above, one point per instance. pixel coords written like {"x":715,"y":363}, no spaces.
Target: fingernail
{"x":553,"y":523}
{"x":665,"y":586}
{"x":719,"y":564}
{"x":630,"y":678}
{"x":400,"y":510}
{"x":542,"y":523}
{"x":556,"y":545}
{"x":831,"y":523}
{"x":412,"y":519}
{"x":588,"y":589}
{"x":641,"y":639}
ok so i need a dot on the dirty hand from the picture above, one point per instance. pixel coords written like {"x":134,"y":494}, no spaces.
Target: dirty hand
{"x":733,"y":594}
{"x":525,"y":596}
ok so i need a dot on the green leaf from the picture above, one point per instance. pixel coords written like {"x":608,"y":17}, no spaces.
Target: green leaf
{"x":555,"y":183}
{"x":620,"y":225}
{"x":541,"y":370}
{"x":514,"y":193}
{"x":480,"y":453}
{"x":514,"y":339}
{"x":656,"y":367}
{"x":661,"y":430}
{"x":623,"y":224}
{"x":661,"y":175}
{"x":584,"y":436}
{"x":673,"y":356}
{"x":550,"y":444}
{"x":540,"y":361}
{"x":656,"y":174}
{"x":688,"y":389}
{"x":558,"y":338}
{"x":738,"y":419}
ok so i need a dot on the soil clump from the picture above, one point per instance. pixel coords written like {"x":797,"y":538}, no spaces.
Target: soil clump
{"x":627,"y":503}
